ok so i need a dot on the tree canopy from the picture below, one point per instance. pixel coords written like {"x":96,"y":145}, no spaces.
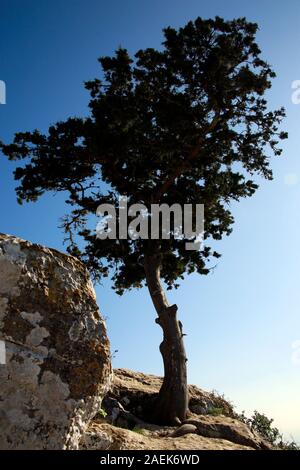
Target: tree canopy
{"x":186,"y":124}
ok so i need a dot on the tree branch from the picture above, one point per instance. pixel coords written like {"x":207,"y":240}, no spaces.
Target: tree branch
{"x":185,"y":165}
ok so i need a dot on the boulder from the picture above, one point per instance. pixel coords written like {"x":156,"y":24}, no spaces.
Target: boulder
{"x":58,"y":363}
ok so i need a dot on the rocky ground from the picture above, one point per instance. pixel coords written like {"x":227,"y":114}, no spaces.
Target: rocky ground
{"x":124,"y":421}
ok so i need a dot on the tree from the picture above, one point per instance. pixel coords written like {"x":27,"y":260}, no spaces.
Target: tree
{"x":185,"y":124}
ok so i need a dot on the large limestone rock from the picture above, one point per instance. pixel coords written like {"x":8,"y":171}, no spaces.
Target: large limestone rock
{"x":57,"y":353}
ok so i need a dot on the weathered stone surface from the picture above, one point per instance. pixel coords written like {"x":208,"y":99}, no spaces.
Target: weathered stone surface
{"x":103,"y":436}
{"x":185,"y":429}
{"x":58,"y":364}
{"x":137,"y":392}
{"x":128,"y":406}
{"x":222,"y":427}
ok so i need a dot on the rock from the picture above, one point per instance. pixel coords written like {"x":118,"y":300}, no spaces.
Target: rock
{"x":96,"y":440}
{"x":137,"y":392}
{"x":133,"y":393}
{"x":217,"y":427}
{"x":117,"y":415}
{"x":185,"y":429}
{"x":58,"y":364}
{"x":112,"y":408}
{"x":101,"y":436}
{"x":202,"y":402}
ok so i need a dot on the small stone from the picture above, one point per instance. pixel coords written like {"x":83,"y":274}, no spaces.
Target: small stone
{"x":185,"y":429}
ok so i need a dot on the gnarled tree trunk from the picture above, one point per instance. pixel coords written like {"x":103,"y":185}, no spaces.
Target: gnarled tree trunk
{"x":172,"y":403}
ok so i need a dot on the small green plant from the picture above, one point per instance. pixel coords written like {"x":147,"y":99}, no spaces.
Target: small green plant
{"x":138,"y":430}
{"x":215,"y":411}
{"x":288,"y":445}
{"x":221,"y":405}
{"x":102,"y":413}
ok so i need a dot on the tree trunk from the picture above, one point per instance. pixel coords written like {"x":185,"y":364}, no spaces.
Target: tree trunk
{"x":172,"y":403}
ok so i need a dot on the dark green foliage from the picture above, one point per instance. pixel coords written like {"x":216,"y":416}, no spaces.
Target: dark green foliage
{"x":263,"y":426}
{"x":214,"y":411}
{"x":185,"y":124}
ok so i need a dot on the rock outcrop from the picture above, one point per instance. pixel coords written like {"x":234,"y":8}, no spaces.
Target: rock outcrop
{"x":125,"y":420}
{"x":137,"y":392}
{"x":58,"y":364}
{"x":102,"y":436}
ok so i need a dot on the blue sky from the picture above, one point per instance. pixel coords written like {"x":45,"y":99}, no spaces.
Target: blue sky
{"x":241,"y":320}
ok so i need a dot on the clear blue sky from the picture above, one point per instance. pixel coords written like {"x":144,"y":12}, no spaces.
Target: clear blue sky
{"x":241,"y":320}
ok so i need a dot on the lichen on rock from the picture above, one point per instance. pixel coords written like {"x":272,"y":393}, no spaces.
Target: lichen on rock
{"x":54,"y":379}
